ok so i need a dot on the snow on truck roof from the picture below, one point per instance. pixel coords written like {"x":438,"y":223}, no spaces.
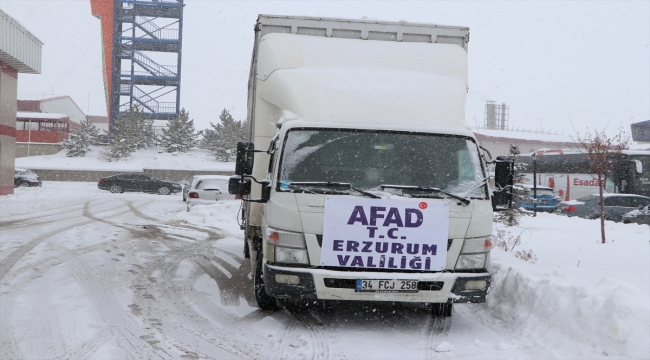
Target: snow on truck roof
{"x":364,"y":82}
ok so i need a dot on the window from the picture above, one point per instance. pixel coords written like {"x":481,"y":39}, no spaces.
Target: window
{"x":210,"y":184}
{"x":618,"y":201}
{"x":639,"y":201}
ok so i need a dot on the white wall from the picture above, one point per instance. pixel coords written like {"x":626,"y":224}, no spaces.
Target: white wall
{"x":63,"y":105}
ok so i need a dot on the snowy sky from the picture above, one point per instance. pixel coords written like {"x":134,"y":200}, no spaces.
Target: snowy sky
{"x":553,"y":62}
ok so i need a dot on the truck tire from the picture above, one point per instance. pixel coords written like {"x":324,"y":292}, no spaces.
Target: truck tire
{"x":442,"y":309}
{"x":264,"y":300}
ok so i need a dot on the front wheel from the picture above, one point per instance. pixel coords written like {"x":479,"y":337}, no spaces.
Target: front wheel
{"x":23,"y":184}
{"x":164,"y":190}
{"x":264,"y":300}
{"x":442,"y":309}
{"x":116,"y":189}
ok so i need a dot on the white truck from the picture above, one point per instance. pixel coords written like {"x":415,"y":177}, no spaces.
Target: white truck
{"x":366,"y":183}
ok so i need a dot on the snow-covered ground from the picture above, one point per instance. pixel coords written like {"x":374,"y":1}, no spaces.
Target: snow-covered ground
{"x":152,"y":158}
{"x":89,"y":274}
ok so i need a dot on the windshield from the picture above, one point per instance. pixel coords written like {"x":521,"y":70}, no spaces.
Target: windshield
{"x":541,"y":192}
{"x":367,"y":160}
{"x":211,"y":184}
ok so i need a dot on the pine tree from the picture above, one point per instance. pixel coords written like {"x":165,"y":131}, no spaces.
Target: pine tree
{"x":91,"y":131}
{"x":77,"y":144}
{"x":180,"y":134}
{"x":124,"y":138}
{"x":222,"y":139}
{"x":80,"y":139}
{"x":511,"y":216}
{"x":144,"y":135}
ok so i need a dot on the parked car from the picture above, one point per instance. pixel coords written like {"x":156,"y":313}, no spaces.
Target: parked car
{"x":25,"y":178}
{"x":546,"y":198}
{"x":616,"y":205}
{"x":206,"y":189}
{"x":137,"y":182}
{"x":639,"y":216}
{"x":186,"y":186}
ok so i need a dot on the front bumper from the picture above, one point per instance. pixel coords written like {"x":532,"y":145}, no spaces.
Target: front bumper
{"x":324,"y":284}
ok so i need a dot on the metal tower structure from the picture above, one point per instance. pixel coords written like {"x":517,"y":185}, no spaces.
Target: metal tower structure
{"x":496,"y":116}
{"x":142,"y":42}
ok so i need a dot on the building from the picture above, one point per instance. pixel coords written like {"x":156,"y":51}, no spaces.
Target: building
{"x":641,"y":131}
{"x":497,"y":142}
{"x":20,"y":52}
{"x":42,"y":124}
{"x":101,"y":122}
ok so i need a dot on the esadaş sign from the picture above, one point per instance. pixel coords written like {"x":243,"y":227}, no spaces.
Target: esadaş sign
{"x":385,"y":233}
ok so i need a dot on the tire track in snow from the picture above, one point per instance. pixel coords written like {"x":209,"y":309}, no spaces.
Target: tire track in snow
{"x":128,"y":334}
{"x":62,"y":256}
{"x":438,"y":328}
{"x":165,"y":295}
{"x":10,"y":260}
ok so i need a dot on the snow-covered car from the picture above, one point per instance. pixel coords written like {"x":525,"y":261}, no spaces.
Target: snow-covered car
{"x":26,"y":178}
{"x":137,"y":182}
{"x":639,"y":216}
{"x":616,"y":205}
{"x":206,"y":189}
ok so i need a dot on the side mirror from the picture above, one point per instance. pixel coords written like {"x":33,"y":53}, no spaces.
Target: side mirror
{"x":639,"y":166}
{"x":504,"y":171}
{"x":244,"y":160}
{"x":239,"y":186}
{"x":503,"y":180}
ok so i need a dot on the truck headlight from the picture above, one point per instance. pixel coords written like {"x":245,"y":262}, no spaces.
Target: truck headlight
{"x":288,"y":255}
{"x":284,"y":238}
{"x":289,"y":246}
{"x":477,"y":245}
{"x":471,"y":261}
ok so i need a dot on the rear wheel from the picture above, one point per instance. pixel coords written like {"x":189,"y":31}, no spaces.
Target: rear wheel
{"x":164,"y":190}
{"x":116,"y":189}
{"x":442,"y":309}
{"x":264,"y":300}
{"x":23,"y":184}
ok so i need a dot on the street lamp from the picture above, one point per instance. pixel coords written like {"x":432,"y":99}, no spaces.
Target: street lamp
{"x":534,"y":184}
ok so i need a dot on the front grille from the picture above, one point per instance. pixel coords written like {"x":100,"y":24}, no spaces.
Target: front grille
{"x":319,"y":238}
{"x":340,"y":283}
{"x":352,"y":284}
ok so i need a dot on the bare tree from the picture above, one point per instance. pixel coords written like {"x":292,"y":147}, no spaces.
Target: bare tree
{"x":602,"y":154}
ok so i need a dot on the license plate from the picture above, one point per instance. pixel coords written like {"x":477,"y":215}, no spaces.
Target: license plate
{"x":544,"y":202}
{"x":387,"y":286}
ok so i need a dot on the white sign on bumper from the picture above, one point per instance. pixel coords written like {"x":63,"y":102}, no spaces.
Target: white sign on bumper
{"x":385,"y":234}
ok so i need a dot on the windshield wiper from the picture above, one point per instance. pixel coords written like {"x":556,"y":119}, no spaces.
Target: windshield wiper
{"x":334,"y":184}
{"x":465,"y":201}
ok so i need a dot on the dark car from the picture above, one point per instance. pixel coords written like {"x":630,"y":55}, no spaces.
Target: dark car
{"x":137,"y":182}
{"x":25,"y":178}
{"x":616,"y":205}
{"x":639,"y":216}
{"x":546,"y":198}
